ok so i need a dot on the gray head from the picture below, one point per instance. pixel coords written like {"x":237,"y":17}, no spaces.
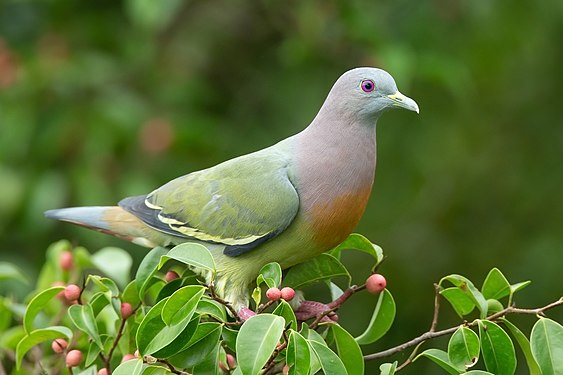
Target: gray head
{"x":367,"y":92}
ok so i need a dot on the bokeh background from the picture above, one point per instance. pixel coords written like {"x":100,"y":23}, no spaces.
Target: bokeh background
{"x":105,"y":99}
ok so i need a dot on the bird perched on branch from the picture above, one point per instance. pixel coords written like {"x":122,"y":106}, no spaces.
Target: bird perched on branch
{"x":286,"y":203}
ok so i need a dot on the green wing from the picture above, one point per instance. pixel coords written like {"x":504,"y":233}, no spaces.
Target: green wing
{"x":240,"y":203}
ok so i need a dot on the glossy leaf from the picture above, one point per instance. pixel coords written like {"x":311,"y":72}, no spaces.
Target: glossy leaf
{"x":270,"y":274}
{"x":147,"y":269}
{"x":497,"y":349}
{"x":322,"y":267}
{"x":495,"y":285}
{"x":439,"y":357}
{"x":358,"y":242}
{"x":191,"y":254}
{"x":546,"y":341}
{"x":37,"y":304}
{"x":460,"y":301}
{"x":83,"y":318}
{"x":210,"y":363}
{"x":178,"y":344}
{"x":381,"y":320}
{"x":478,"y":372}
{"x":212,"y":308}
{"x":463,"y":348}
{"x":467,"y":287}
{"x":182,"y":304}
{"x":257,"y":340}
{"x":388,"y":368}
{"x":115,"y":263}
{"x":229,"y":338}
{"x":196,"y":350}
{"x":135,"y":367}
{"x":524,"y":344}
{"x":298,"y":355}
{"x":348,"y":350}
{"x":519,"y":286}
{"x":285,"y":311}
{"x":105,"y":284}
{"x":38,"y":336}
{"x":330,"y":363}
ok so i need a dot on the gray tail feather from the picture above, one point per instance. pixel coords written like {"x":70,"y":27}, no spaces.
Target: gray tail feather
{"x":92,"y":217}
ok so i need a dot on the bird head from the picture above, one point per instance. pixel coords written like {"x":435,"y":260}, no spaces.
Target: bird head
{"x":368,"y":92}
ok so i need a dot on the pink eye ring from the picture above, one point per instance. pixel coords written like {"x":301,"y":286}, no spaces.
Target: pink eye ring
{"x":368,"y":85}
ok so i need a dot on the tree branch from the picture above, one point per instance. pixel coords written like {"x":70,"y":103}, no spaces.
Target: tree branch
{"x":433,"y":334}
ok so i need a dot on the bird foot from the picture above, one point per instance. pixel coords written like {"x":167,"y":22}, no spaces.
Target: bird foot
{"x":313,"y":309}
{"x":245,"y":313}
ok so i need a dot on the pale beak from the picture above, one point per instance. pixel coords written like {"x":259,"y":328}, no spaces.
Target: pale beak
{"x":399,"y":100}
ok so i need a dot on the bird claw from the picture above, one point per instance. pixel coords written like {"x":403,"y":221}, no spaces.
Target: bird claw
{"x":313,"y":309}
{"x":245,"y":313}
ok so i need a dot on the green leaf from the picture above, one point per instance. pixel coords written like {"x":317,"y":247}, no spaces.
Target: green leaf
{"x":322,"y":267}
{"x":202,"y":343}
{"x":154,"y":333}
{"x":524,"y":344}
{"x":270,"y":274}
{"x":388,"y":368}
{"x":335,"y":291}
{"x":147,"y":269}
{"x":83,"y":318}
{"x":230,"y":338}
{"x":463,"y":348}
{"x":98,"y":302}
{"x":358,"y":242}
{"x":298,"y":355}
{"x":460,"y":301}
{"x":9,"y":271}
{"x":179,"y":343}
{"x":546,"y":341}
{"x":439,"y":357}
{"x":115,"y":263}
{"x":38,"y":336}
{"x":37,"y":304}
{"x":285,"y":311}
{"x":497,"y":349}
{"x":467,"y":287}
{"x":348,"y":350}
{"x":135,"y":367}
{"x":381,"y":320}
{"x":212,"y":308}
{"x":210,"y":364}
{"x":192,"y":254}
{"x":105,"y":284}
{"x":495,"y":285}
{"x":330,"y":363}
{"x":519,"y":286}
{"x":181,"y":304}
{"x":477,"y":372}
{"x":131,"y":294}
{"x":256,"y":341}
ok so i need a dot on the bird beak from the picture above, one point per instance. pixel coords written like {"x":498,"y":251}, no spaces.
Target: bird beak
{"x":399,"y":100}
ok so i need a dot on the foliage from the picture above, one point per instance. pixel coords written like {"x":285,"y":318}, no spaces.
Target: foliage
{"x":179,"y":324}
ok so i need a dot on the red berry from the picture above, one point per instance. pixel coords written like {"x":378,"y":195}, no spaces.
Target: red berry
{"x":126,"y":310}
{"x":273,"y":294}
{"x":171,"y":275}
{"x":376,"y":283}
{"x":66,"y":261}
{"x":287,"y":293}
{"x":72,"y":292}
{"x":103,"y":371}
{"x":59,"y":345}
{"x":285,"y":370}
{"x":73,"y":358}
{"x":231,"y":362}
{"x":128,"y":357}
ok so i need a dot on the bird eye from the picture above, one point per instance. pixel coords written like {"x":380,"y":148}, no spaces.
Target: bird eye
{"x":368,"y":85}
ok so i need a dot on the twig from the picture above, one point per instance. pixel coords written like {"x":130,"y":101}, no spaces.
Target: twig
{"x":433,"y":334}
{"x":335,"y":305}
{"x":264,"y":306}
{"x":434,"y":324}
{"x":227,"y":304}
{"x":115,"y":342}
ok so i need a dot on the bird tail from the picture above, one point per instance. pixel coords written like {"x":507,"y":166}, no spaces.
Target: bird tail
{"x":110,"y":220}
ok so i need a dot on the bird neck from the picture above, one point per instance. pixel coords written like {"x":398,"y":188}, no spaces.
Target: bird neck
{"x":336,"y":159}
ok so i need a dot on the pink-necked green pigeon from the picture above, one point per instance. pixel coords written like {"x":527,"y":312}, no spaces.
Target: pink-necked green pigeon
{"x":286,"y":203}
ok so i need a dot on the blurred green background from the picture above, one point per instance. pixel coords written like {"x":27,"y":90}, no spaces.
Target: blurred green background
{"x":106,"y":99}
